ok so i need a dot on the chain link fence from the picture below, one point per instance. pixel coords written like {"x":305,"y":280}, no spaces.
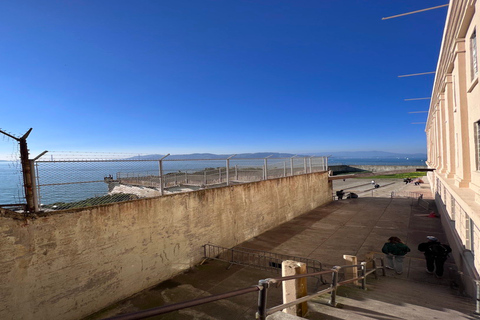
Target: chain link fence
{"x":65,"y":182}
{"x":11,"y":179}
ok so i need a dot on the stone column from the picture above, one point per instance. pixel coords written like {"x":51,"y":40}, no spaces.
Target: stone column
{"x":463,"y":172}
{"x":449,"y":127}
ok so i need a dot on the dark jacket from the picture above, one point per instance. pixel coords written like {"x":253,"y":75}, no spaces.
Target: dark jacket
{"x":397,"y":249}
{"x":425,"y":248}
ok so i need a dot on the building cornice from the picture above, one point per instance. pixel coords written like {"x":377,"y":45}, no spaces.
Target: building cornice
{"x":459,"y":15}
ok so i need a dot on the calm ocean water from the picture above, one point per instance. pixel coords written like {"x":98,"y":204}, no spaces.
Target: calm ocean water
{"x":93,"y":172}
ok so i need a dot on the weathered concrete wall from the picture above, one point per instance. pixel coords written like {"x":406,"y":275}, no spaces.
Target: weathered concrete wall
{"x":68,"y":265}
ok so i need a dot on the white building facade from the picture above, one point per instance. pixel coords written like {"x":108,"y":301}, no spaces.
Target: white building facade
{"x":453,"y":137}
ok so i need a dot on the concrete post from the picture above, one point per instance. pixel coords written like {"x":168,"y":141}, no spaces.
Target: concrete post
{"x":351,"y":272}
{"x":294,"y":289}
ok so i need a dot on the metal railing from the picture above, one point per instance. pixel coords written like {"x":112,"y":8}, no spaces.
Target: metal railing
{"x":405,"y":194}
{"x":262,"y":288}
{"x":412,"y":195}
{"x":183,"y":305}
{"x":258,"y":259}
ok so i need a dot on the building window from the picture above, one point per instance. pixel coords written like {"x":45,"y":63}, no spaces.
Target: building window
{"x":473,"y":54}
{"x":470,"y":234}
{"x":477,"y":143}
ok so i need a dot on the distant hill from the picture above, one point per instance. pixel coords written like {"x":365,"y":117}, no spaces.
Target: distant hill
{"x":261,"y":155}
{"x":373,"y":154}
{"x":196,"y":156}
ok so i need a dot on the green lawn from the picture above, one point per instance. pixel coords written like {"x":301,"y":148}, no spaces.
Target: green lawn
{"x":412,"y":175}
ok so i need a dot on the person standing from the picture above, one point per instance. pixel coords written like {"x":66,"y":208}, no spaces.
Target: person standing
{"x":436,"y":254}
{"x":340,"y":194}
{"x":395,"y":251}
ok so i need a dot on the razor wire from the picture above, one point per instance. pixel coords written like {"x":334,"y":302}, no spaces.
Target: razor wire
{"x":75,"y":181}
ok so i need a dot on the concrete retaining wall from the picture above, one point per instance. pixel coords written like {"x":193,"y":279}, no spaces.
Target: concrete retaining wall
{"x":371,"y":168}
{"x":73,"y":263}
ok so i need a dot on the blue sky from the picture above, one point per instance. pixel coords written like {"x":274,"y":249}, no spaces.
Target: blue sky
{"x":216,"y":76}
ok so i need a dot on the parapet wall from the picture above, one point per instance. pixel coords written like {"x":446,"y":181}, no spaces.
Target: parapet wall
{"x":371,"y":168}
{"x":73,"y":263}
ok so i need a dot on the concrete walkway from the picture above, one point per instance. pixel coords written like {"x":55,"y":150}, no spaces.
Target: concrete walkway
{"x":353,"y":227}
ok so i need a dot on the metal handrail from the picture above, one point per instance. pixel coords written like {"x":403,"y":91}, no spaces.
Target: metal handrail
{"x":182,"y":305}
{"x":263,"y":312}
{"x":262,"y":288}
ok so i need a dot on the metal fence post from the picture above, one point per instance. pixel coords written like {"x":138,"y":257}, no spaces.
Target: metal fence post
{"x":34,"y":186}
{"x":236,"y":172}
{"x":382,"y":263}
{"x":284,"y":169}
{"x":228,"y":168}
{"x":305,"y":165}
{"x":364,"y":272}
{"x":310,"y":164}
{"x":333,"y":294}
{"x":228,"y":171}
{"x":262,"y":300}
{"x":291,"y":165}
{"x":34,"y":177}
{"x":160,"y":176}
{"x":220,"y":175}
{"x":374,"y":263}
{"x":160,"y":168}
{"x":265,"y":168}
